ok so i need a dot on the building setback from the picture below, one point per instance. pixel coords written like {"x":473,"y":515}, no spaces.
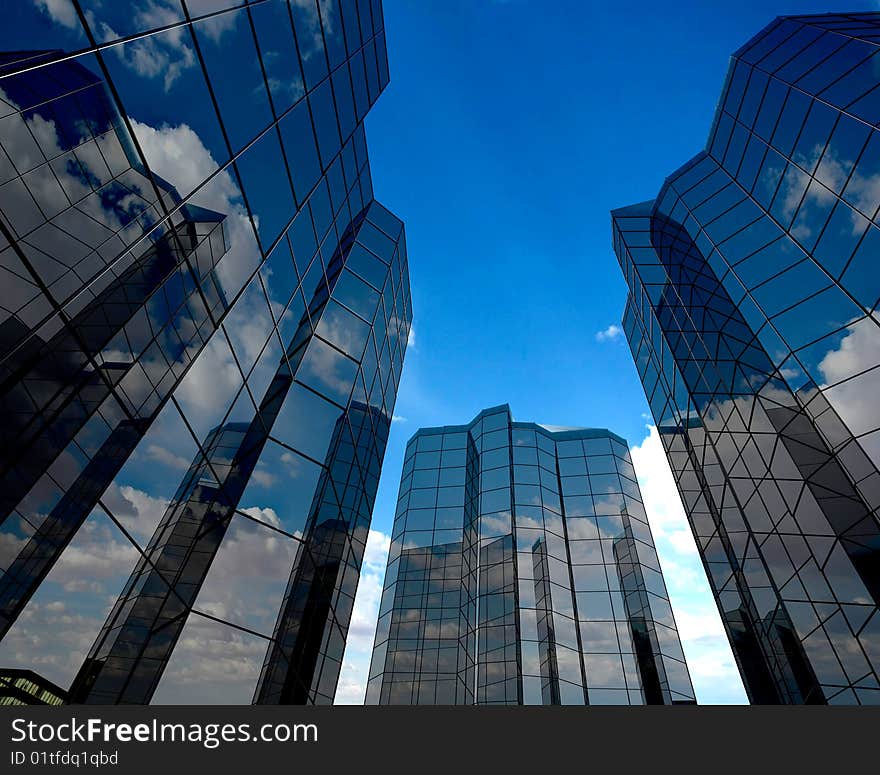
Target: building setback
{"x":522,"y":571}
{"x":751,"y":316}
{"x":203,"y":319}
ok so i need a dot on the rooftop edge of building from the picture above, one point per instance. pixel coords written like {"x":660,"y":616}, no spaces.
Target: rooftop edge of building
{"x":815,"y":19}
{"x":638,"y":210}
{"x":561,"y":433}
{"x":872,"y":17}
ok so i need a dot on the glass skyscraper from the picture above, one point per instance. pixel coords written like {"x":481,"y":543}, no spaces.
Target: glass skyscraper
{"x":203,"y":319}
{"x":25,"y":687}
{"x":522,"y":571}
{"x":752,"y":318}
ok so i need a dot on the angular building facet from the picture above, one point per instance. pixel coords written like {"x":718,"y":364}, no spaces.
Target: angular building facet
{"x":752,"y":319}
{"x":203,"y":319}
{"x":522,"y":571}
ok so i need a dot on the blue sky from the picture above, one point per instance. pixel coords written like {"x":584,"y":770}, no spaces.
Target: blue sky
{"x":508,"y":132}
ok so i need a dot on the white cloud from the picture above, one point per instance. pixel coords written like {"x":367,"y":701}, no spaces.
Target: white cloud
{"x":293,"y":464}
{"x":609,"y":334}
{"x":861,"y":190}
{"x":707,"y":650}
{"x":249,"y":554}
{"x":211,"y":664}
{"x":683,"y":576}
{"x":262,"y":477}
{"x":247,"y":578}
{"x":791,"y":191}
{"x":216,"y":26}
{"x":710,"y":661}
{"x":699,"y":622}
{"x":138,"y":512}
{"x":98,"y":553}
{"x":291,"y":88}
{"x":164,"y":55}
{"x":310,"y":39}
{"x":166,"y":457}
{"x":359,"y":646}
{"x":659,"y":493}
{"x":177,"y":154}
{"x":215,"y":379}
{"x":855,"y":399}
{"x":682,"y":541}
{"x":376,"y":552}
{"x":711,"y":666}
{"x":323,"y":367}
{"x":857,"y":351}
{"x":13,"y":539}
{"x":411,"y":338}
{"x":398,"y":418}
{"x":55,"y":631}
{"x":267,"y":515}
{"x":30,"y":139}
{"x":50,"y":639}
{"x":91,"y":571}
{"x":210,"y":385}
{"x":59,"y":11}
{"x":245,"y":585}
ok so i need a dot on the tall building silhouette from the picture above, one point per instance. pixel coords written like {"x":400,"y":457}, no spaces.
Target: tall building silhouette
{"x":522,"y":571}
{"x":198,"y":283}
{"x":752,"y":320}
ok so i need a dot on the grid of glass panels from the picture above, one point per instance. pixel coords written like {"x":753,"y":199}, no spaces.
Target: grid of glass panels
{"x":752,"y":318}
{"x":522,"y":571}
{"x":203,"y":319}
{"x":25,"y":687}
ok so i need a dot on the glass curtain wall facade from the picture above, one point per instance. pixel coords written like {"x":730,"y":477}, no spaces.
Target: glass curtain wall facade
{"x":522,"y":571}
{"x":752,"y":319}
{"x":25,"y":687}
{"x":203,"y":319}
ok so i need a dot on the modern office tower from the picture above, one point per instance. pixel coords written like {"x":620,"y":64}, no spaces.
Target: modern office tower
{"x":25,"y":687}
{"x":57,"y":376}
{"x":203,"y":319}
{"x":752,"y":319}
{"x":309,"y":638}
{"x":522,"y":571}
